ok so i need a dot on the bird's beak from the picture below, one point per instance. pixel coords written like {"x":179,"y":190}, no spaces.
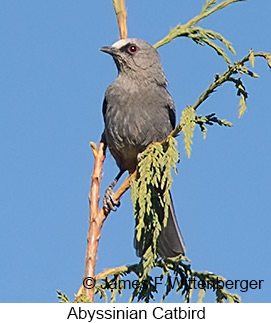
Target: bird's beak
{"x":109,"y":50}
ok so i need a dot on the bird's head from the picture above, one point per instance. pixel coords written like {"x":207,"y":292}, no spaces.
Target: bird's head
{"x":137,"y":59}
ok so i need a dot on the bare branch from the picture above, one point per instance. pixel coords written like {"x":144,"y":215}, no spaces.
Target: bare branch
{"x":96,"y":219}
{"x":121,"y":13}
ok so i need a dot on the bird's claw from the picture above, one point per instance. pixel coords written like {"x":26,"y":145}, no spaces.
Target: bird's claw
{"x":109,"y":201}
{"x":139,"y":156}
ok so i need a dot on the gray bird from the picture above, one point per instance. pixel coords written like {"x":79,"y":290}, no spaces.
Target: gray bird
{"x":138,"y":110}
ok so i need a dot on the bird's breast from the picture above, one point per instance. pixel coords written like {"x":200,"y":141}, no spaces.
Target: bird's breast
{"x":133,"y":120}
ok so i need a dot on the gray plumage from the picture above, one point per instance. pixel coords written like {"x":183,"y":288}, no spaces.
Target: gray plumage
{"x":138,"y":110}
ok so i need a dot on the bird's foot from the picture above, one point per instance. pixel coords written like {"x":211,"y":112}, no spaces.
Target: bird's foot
{"x":139,"y":157}
{"x":109,"y":201}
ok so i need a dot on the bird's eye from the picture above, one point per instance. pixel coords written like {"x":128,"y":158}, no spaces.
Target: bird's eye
{"x":132,"y":49}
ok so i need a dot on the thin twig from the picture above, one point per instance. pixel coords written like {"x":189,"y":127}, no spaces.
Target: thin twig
{"x":185,"y":30}
{"x":219,"y":80}
{"x":121,"y":13}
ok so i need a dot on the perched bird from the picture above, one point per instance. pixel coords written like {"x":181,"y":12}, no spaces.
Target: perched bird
{"x":138,"y":110}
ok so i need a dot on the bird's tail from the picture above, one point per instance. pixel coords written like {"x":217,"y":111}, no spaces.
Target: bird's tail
{"x":171,"y":242}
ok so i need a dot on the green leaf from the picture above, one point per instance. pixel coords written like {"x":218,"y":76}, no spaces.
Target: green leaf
{"x":208,"y":4}
{"x":251,"y":58}
{"x":268,"y":59}
{"x":188,"y":126}
{"x":242,"y":104}
{"x":63,"y":298}
{"x":201,"y":295}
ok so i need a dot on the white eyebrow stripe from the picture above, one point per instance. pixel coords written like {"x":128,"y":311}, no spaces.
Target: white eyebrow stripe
{"x":122,"y":42}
